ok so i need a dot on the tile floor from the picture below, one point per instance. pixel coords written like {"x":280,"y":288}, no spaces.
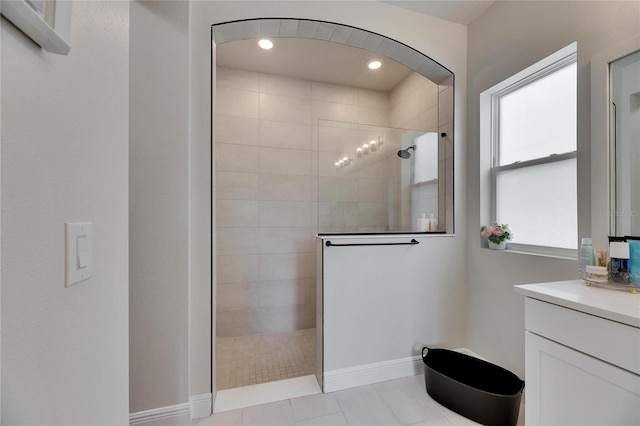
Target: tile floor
{"x":395,"y":402}
{"x":250,"y":360}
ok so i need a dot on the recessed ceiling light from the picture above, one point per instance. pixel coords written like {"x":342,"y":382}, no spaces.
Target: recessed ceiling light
{"x":374,"y":64}
{"x":265,"y":44}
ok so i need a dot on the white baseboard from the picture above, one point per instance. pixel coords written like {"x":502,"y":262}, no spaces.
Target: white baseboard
{"x":179,"y":414}
{"x":201,"y":405}
{"x":367,"y":374}
{"x":469,"y":352}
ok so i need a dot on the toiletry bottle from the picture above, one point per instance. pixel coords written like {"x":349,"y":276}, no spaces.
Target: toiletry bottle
{"x":600,"y":256}
{"x":423,"y":223}
{"x":634,"y":260}
{"x":586,"y":257}
{"x":433,"y":223}
{"x":619,"y":253}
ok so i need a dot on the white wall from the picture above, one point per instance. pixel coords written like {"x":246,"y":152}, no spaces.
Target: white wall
{"x":201,"y":216}
{"x":380,"y":301}
{"x":507,"y":38}
{"x":170,"y":214}
{"x":159,"y":205}
{"x":65,"y":158}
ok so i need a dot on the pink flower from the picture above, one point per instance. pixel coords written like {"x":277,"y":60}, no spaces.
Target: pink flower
{"x":497,"y":231}
{"x":487,"y":232}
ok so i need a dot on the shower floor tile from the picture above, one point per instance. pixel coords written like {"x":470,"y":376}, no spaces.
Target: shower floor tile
{"x":251,"y":360}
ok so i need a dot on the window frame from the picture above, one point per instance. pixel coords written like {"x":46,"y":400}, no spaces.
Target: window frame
{"x":490,"y":140}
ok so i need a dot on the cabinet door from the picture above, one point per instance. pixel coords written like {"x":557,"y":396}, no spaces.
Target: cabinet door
{"x":567,"y":387}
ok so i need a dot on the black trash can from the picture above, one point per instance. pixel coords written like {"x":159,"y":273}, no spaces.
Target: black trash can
{"x":473,"y":388}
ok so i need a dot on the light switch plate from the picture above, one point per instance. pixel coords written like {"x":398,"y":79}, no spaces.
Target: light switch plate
{"x":79,"y":256}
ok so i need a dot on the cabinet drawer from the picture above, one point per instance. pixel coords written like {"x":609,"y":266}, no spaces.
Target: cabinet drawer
{"x":610,"y":341}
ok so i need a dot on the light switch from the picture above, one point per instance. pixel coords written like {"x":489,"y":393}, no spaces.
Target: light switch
{"x":82,"y":252}
{"x":78,"y":237}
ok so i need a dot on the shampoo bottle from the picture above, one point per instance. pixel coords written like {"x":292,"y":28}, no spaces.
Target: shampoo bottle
{"x":423,"y":223}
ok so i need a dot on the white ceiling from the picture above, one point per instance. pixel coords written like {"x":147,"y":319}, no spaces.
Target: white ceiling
{"x":309,"y":59}
{"x":462,"y":12}
{"x":314,"y":60}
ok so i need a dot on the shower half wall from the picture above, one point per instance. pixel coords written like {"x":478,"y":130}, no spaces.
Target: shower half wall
{"x":267,"y":196}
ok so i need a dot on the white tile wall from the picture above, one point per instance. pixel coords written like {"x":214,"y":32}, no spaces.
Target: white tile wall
{"x":237,"y":130}
{"x":237,"y":158}
{"x":373,"y":98}
{"x":238,"y":102}
{"x":372,"y":190}
{"x":237,"y":213}
{"x":238,"y":268}
{"x":284,"y":108}
{"x":285,"y":161}
{"x":286,"y":239}
{"x":287,"y":266}
{"x":373,"y":116}
{"x":237,"y":186}
{"x":285,"y":213}
{"x":284,"y":187}
{"x":322,"y":110}
{"x":240,"y":240}
{"x":286,"y":86}
{"x":334,"y":94}
{"x":278,"y":134}
{"x":237,"y":296}
{"x":239,"y":79}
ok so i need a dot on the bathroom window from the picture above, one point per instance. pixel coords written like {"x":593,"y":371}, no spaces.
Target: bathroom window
{"x":530,"y":123}
{"x":426,"y":163}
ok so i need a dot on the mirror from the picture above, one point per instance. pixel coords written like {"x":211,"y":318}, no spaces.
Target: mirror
{"x":317,"y":99}
{"x":624,"y":144}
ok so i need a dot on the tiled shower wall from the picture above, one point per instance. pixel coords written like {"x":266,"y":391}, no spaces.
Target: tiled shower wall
{"x":266,"y":180}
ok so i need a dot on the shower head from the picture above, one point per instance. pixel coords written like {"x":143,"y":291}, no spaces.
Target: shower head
{"x":404,"y":153}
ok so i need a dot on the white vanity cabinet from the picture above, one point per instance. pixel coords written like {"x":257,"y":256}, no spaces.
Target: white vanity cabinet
{"x":582,"y":355}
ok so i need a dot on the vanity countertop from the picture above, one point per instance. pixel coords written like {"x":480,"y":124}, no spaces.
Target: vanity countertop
{"x":615,"y":305}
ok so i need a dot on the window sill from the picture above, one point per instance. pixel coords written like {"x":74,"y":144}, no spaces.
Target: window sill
{"x":551,"y":252}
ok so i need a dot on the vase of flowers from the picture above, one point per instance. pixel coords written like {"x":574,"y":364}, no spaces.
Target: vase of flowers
{"x":497,"y":235}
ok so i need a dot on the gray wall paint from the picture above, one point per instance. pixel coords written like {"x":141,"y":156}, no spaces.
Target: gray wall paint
{"x":159,"y":197}
{"x":200,"y":155}
{"x":507,"y":38}
{"x":65,"y":158}
{"x":170,"y":197}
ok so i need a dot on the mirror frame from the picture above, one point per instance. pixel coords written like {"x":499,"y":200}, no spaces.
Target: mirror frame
{"x":602,"y":220}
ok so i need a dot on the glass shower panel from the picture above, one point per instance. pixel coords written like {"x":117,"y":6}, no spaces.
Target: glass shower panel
{"x":367,"y":178}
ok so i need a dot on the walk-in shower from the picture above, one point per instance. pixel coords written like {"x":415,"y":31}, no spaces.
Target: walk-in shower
{"x":302,"y":147}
